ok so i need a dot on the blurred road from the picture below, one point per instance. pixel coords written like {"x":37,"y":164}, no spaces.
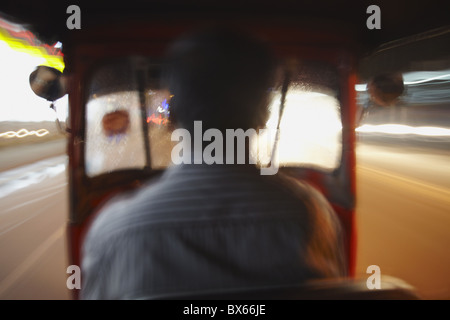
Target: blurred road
{"x":403,"y":222}
{"x":13,"y":157}
{"x":403,"y":216}
{"x":33,"y":213}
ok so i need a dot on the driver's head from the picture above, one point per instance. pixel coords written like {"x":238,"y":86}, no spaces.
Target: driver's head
{"x":220,"y":77}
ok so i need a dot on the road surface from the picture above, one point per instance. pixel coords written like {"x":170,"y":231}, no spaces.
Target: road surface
{"x":33,"y":201}
{"x":403,"y":216}
{"x":13,"y":157}
{"x":403,"y":222}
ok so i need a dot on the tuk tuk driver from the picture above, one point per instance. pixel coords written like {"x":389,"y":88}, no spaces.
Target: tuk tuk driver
{"x":211,"y":228}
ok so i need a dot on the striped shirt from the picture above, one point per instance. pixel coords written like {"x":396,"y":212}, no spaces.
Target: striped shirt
{"x":210,"y":228}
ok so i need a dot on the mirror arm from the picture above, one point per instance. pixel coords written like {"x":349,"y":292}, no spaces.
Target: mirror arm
{"x":61,"y":130}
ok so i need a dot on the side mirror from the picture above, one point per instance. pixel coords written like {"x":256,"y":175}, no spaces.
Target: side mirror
{"x":48,"y":83}
{"x":386,"y":88}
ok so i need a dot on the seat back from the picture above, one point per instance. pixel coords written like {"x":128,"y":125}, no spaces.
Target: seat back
{"x":343,"y":289}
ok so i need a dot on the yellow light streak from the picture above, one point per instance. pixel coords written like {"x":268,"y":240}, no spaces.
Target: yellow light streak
{"x":21,"y":45}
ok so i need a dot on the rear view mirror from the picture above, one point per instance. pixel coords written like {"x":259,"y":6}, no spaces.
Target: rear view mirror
{"x":47,"y":83}
{"x":386,"y":88}
{"x":50,"y":84}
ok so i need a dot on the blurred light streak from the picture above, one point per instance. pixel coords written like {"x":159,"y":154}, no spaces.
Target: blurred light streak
{"x":427,"y":80}
{"x":22,"y":40}
{"x":404,"y":129}
{"x":417,"y":77}
{"x":412,"y":78}
{"x":11,"y":182}
{"x":157,"y":120}
{"x":24,"y":133}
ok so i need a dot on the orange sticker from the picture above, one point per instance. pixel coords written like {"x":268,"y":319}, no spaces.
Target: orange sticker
{"x":116,"y":123}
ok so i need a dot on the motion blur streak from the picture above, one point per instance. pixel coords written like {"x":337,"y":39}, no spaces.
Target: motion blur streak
{"x":403,"y":129}
{"x":403,"y":215}
{"x":24,"y":133}
{"x":438,"y":193}
{"x":22,"y":40}
{"x":33,"y":252}
{"x":24,"y":177}
{"x":427,"y":80}
{"x":402,"y":222}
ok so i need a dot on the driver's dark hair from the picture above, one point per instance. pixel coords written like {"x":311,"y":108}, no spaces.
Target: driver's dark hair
{"x":221,"y":77}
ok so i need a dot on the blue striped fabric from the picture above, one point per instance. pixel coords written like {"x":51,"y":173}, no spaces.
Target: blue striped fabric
{"x":209,"y":228}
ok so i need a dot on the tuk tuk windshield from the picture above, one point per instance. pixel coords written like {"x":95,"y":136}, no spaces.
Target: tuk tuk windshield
{"x":128,"y":120}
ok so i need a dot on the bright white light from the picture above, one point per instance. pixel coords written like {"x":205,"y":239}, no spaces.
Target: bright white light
{"x":361,"y":87}
{"x":404,"y":129}
{"x":417,"y":77}
{"x":18,"y":102}
{"x":58,"y":45}
{"x":310,"y":130}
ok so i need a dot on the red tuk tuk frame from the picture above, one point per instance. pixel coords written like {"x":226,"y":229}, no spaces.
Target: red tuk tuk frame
{"x":85,"y":49}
